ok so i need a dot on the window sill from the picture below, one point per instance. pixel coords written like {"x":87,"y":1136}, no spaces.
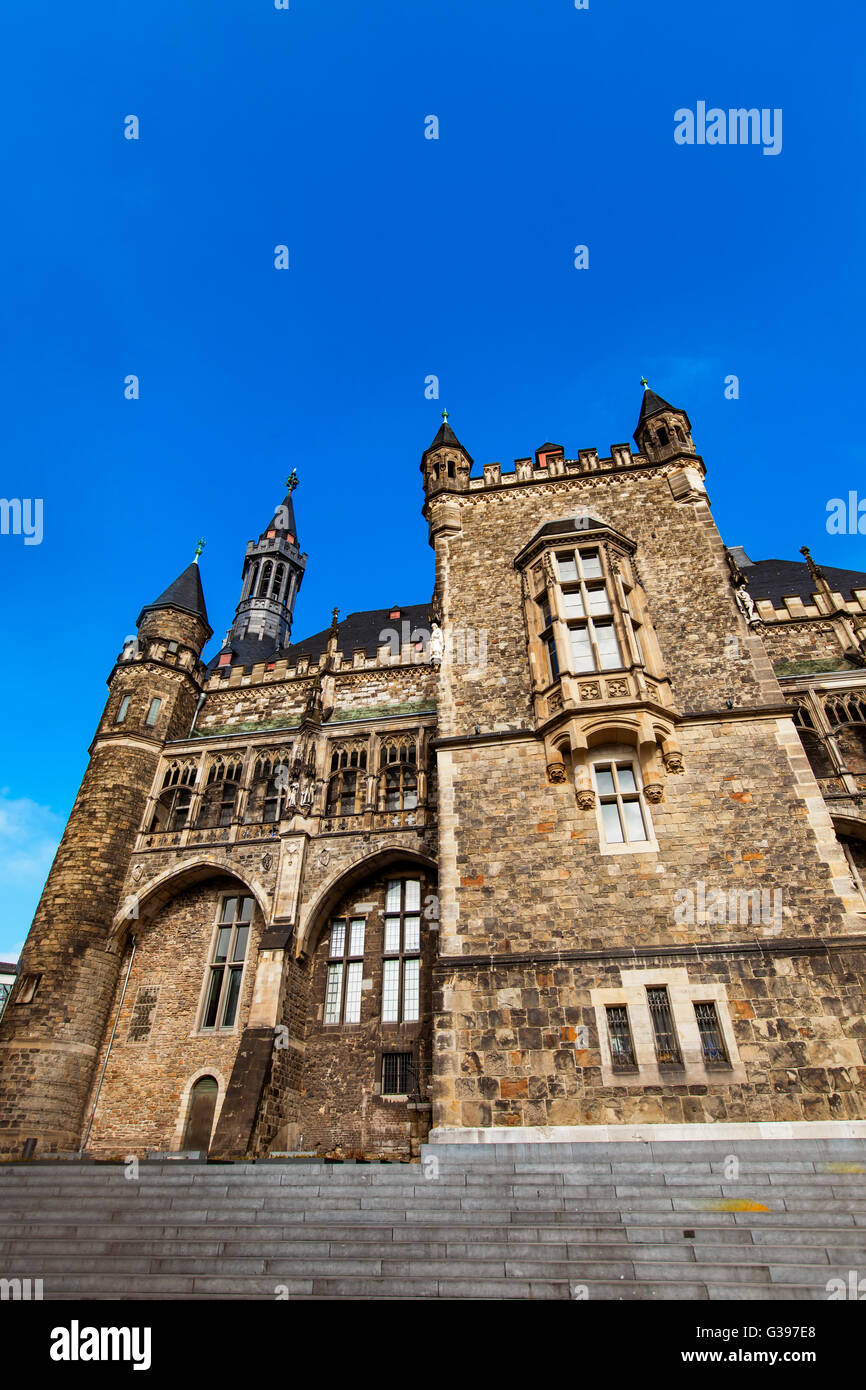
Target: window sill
{"x":639,"y":847}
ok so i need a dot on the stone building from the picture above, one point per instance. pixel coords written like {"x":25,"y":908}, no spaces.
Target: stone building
{"x":578,"y":843}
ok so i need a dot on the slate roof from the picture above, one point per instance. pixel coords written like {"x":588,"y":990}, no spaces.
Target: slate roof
{"x":357,"y":630}
{"x":780,"y":579}
{"x":444,"y":438}
{"x":184,"y":593}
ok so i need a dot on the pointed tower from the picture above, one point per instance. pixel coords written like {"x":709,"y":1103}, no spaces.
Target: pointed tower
{"x":663,"y":431}
{"x":272,"y":574}
{"x":446,"y":465}
{"x":51,"y":1034}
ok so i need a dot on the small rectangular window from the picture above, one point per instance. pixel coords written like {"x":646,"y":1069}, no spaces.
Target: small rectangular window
{"x":619,"y":1033}
{"x":390,"y":990}
{"x":667,"y":1047}
{"x":590,"y":564}
{"x":122,"y":710}
{"x":396,"y":1073}
{"x":333,"y":994}
{"x":712,"y":1044}
{"x":171,"y":648}
{"x":153,"y":712}
{"x":567,"y":567}
{"x":552,"y":658}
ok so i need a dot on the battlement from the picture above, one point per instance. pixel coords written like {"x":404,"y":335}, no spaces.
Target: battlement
{"x":795,"y":610}
{"x":545,"y":467}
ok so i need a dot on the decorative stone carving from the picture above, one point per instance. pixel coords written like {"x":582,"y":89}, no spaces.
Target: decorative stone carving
{"x":653,"y":791}
{"x":617,"y":688}
{"x":586,"y":798}
{"x":673,"y":761}
{"x":746,"y":604}
{"x":137,"y":873}
{"x":556,"y":772}
{"x":324,"y":858}
{"x":589,"y":690}
{"x":436,"y":645}
{"x":554,"y":702}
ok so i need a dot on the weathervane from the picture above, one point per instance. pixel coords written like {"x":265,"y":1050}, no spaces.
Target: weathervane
{"x":292,"y":480}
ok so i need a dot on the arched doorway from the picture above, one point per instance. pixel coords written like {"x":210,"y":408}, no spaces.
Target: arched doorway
{"x":199,"y":1120}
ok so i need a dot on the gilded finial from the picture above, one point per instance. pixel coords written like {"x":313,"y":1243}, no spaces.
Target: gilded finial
{"x":292,"y":480}
{"x":199,"y":547}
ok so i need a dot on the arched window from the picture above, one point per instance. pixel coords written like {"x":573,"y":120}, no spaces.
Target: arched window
{"x":265,"y":579}
{"x":279,"y":572}
{"x":398,"y":769}
{"x":220,"y":794}
{"x":172,"y":809}
{"x":199,"y":1120}
{"x":269,"y":794}
{"x":346,"y":784}
{"x":663,"y":437}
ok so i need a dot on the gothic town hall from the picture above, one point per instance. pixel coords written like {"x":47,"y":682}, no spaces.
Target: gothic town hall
{"x":578,"y":843}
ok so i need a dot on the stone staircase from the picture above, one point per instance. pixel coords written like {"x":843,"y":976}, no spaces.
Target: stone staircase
{"x":667,"y":1220}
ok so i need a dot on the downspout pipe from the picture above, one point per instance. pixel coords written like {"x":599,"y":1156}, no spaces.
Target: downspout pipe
{"x":108,"y":1051}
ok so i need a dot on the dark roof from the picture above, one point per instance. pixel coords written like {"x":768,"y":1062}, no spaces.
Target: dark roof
{"x":184,"y":593}
{"x":780,"y":579}
{"x":651,"y":405}
{"x":445,"y":438}
{"x":364,"y":630}
{"x":358,"y":630}
{"x":543,"y":448}
{"x":283,"y":520}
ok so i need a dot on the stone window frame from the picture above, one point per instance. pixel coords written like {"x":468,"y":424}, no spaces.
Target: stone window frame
{"x":683,"y":995}
{"x":622,"y":753}
{"x":402,"y":955}
{"x":176,"y":796}
{"x":411,"y":1064}
{"x":216,"y":1029}
{"x":407,"y":761}
{"x":351,"y":757}
{"x":543,"y":588}
{"x":343,"y":962}
{"x":186,"y":1101}
{"x":224,"y":773}
{"x":122,"y":709}
{"x":153,"y":714}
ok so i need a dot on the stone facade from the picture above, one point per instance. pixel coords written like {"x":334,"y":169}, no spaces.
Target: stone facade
{"x":627,"y":800}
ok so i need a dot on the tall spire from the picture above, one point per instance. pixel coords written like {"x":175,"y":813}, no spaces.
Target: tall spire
{"x":272,"y":574}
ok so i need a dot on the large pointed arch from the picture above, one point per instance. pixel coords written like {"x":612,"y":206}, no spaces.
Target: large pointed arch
{"x":153,"y":896}
{"x":317,"y":914}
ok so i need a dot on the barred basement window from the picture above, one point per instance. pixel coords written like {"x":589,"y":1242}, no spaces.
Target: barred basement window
{"x":712,"y":1044}
{"x":401,"y":971}
{"x":396,"y":1073}
{"x":667,"y":1047}
{"x":142,"y":1013}
{"x":619,"y":1033}
{"x":345,"y":971}
{"x":227,"y":962}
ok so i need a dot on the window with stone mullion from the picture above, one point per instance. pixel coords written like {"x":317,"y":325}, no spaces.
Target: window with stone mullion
{"x":345,"y":971}
{"x":401,"y":967}
{"x":586,"y":610}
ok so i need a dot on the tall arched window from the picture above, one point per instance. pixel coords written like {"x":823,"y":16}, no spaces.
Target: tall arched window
{"x":265,"y":579}
{"x":220,"y":794}
{"x":172,"y":809}
{"x":279,"y":572}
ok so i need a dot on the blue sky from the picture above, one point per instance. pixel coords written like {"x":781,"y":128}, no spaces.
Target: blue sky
{"x":408,"y":257}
